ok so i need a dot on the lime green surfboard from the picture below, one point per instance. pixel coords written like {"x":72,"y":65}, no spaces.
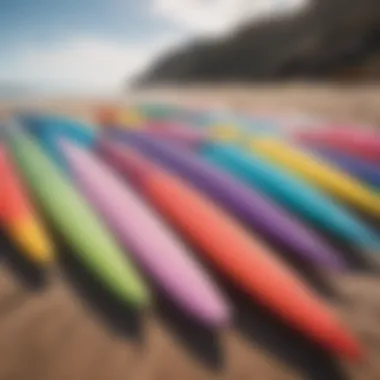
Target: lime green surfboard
{"x":76,"y":221}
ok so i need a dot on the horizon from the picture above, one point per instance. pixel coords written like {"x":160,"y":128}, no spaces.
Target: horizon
{"x":98,"y":46}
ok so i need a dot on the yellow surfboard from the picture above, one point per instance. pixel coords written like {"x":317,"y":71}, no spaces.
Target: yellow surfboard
{"x":226,"y":133}
{"x":317,"y":172}
{"x":130,"y":118}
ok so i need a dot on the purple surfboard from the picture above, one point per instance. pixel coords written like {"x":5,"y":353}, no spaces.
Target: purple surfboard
{"x":177,"y":134}
{"x":253,"y":208}
{"x":144,"y":233}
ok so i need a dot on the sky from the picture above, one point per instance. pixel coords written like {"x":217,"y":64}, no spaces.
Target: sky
{"x":98,"y":45}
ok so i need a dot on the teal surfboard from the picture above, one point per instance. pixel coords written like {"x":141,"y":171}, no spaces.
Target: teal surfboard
{"x":292,"y":193}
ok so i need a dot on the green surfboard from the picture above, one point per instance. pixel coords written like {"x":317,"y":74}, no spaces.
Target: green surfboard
{"x":74,"y":218}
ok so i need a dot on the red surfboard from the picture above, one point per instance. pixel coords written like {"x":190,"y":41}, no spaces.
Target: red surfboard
{"x":236,"y":253}
{"x":365,"y":144}
{"x":18,"y":216}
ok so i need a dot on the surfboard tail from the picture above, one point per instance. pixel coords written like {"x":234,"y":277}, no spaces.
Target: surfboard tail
{"x":31,"y":240}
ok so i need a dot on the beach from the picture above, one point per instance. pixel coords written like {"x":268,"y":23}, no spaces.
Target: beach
{"x":59,"y":327}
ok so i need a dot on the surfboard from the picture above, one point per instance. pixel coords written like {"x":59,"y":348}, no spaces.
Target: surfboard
{"x":231,"y":249}
{"x":317,"y":172}
{"x":293,"y":193}
{"x":366,"y":171}
{"x":253,"y":208}
{"x":75,"y":220}
{"x":147,"y":236}
{"x":19,"y":218}
{"x":358,"y":142}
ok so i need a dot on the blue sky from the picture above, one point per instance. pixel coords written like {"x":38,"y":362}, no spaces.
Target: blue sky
{"x":98,"y":44}
{"x":35,"y":20}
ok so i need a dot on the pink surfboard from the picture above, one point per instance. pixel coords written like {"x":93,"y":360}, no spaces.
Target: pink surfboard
{"x":147,"y":236}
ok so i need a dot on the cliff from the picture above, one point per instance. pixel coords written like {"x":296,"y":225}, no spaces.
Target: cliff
{"x":333,"y":39}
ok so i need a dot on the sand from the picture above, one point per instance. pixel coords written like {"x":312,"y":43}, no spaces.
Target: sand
{"x":65,"y":327}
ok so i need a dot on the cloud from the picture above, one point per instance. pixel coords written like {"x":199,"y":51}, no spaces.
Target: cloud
{"x":216,"y":17}
{"x":82,"y":63}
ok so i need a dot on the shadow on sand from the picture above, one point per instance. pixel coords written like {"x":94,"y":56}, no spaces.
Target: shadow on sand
{"x":254,"y":323}
{"x":27,"y":273}
{"x":127,"y":322}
